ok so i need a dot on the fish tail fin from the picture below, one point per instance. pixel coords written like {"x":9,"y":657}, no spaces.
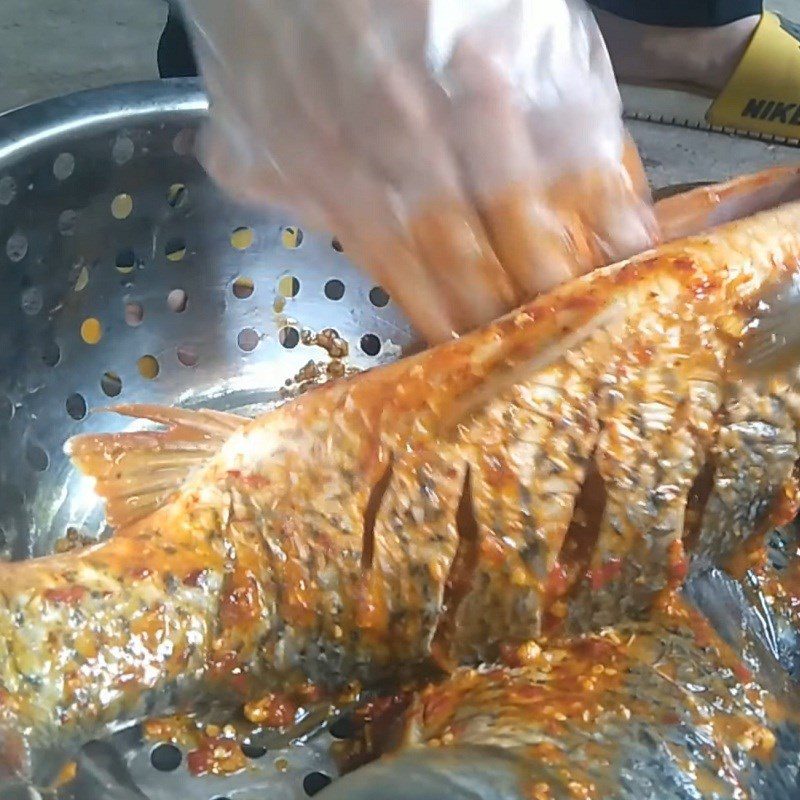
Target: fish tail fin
{"x":138,"y":471}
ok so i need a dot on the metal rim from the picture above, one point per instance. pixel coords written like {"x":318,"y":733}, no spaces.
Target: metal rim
{"x":25,"y":129}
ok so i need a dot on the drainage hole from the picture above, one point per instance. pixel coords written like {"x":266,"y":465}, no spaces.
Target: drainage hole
{"x":148,"y":367}
{"x":177,"y":300}
{"x":166,"y":757}
{"x":370,"y":344}
{"x":37,"y":457}
{"x":378,"y":296}
{"x":291,"y":237}
{"x":175,"y":249}
{"x":134,"y":314}
{"x":17,"y":246}
{"x":247,"y":340}
{"x":176,"y":195}
{"x":63,"y":166}
{"x":187,"y":355}
{"x":288,"y":286}
{"x":242,"y":238}
{"x":6,"y":409}
{"x":343,"y":728}
{"x":243,"y":287}
{"x":51,"y":354}
{"x":334,"y":289}
{"x":289,"y":337}
{"x":67,"y":220}
{"x":8,"y":190}
{"x":121,"y":206}
{"x":111,"y":384}
{"x":91,"y":330}
{"x":253,"y":750}
{"x":76,"y":406}
{"x":32,"y":300}
{"x":122,"y":150}
{"x":125,"y":261}
{"x":315,"y":782}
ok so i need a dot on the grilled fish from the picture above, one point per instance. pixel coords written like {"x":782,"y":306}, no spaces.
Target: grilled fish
{"x":553,"y":471}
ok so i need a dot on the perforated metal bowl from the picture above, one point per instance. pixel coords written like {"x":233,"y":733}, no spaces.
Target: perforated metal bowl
{"x":128,"y":277}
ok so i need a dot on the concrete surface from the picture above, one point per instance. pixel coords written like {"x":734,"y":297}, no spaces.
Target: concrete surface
{"x":49,"y":47}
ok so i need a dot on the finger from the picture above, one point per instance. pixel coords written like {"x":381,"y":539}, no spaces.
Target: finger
{"x":504,"y":178}
{"x":632,"y":163}
{"x":395,"y":266}
{"x":226,"y":156}
{"x":387,"y":105}
{"x":623,"y":233}
{"x":605,"y":214}
{"x":534,"y":244}
{"x":450,"y":238}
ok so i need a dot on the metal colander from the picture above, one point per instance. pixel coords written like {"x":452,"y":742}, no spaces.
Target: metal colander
{"x":128,"y":277}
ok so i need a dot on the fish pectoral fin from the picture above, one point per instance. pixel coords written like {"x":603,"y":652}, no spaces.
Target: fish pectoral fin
{"x":138,"y":471}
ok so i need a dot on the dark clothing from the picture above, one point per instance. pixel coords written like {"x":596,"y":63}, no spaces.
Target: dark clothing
{"x":175,"y":56}
{"x":681,"y":13}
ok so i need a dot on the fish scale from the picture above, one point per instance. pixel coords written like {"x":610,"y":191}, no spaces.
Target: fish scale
{"x":580,"y":429}
{"x":754,"y":455}
{"x":667,"y":430}
{"x":415,"y":546}
{"x":314,"y":564}
{"x":528,"y":500}
{"x":45,"y":627}
{"x":505,"y":593}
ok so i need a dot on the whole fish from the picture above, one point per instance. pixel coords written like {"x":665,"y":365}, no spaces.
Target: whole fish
{"x":553,"y":471}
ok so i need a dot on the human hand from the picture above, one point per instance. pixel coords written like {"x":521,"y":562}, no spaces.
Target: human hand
{"x":469,"y":155}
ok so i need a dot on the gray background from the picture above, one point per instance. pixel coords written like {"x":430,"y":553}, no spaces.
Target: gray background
{"x":50,"y":47}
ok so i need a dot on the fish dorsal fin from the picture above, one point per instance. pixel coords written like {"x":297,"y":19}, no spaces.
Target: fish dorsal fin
{"x":138,"y":471}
